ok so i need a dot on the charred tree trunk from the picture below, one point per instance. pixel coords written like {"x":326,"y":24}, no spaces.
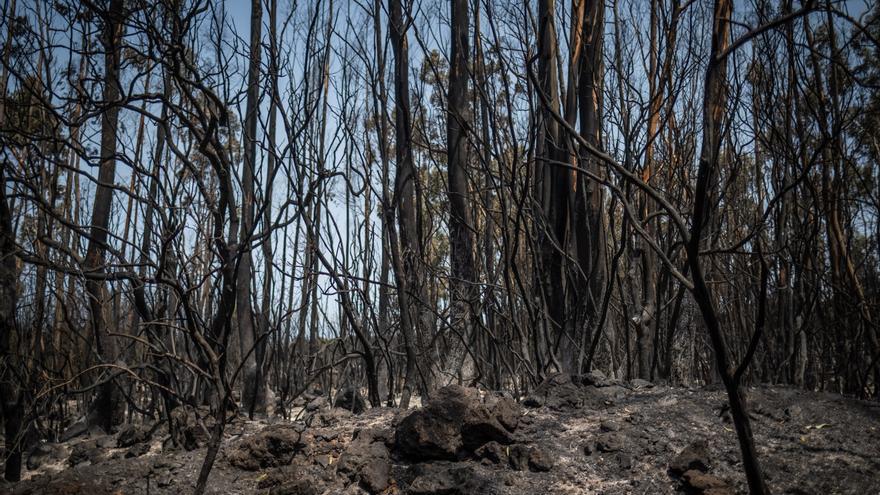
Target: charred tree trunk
{"x":408,"y":264}
{"x":106,"y":410}
{"x":458,"y":121}
{"x":253,"y":395}
{"x":714,"y":104}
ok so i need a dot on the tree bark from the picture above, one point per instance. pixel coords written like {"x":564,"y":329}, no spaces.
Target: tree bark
{"x":714,"y":104}
{"x":458,"y":121}
{"x":106,"y":409}
{"x":252,"y":398}
{"x":407,"y":267}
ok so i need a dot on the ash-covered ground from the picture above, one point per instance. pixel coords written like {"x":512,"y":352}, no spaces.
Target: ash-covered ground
{"x":580,"y":435}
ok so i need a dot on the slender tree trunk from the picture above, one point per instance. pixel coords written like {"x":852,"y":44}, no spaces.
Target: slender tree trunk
{"x":408,"y":265}
{"x":11,"y":388}
{"x":106,"y":409}
{"x":461,"y":228}
{"x":714,"y":103}
{"x":252,"y":399}
{"x":552,"y":187}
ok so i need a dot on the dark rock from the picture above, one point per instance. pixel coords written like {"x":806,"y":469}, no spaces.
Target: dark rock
{"x":793,"y":412}
{"x":350,"y":399}
{"x":137,"y":450}
{"x":540,"y":459}
{"x":640,"y":383}
{"x":699,"y":482}
{"x":558,"y":392}
{"x":384,"y":435}
{"x":445,"y":478}
{"x":323,"y":460}
{"x":295,"y":487}
{"x":610,"y":442}
{"x":595,"y":378}
{"x":189,"y":430}
{"x":74,"y":430}
{"x":274,"y":446}
{"x":694,"y":457}
{"x":105,"y":441}
{"x":73,"y":482}
{"x":86,"y":451}
{"x":493,"y":452}
{"x":519,"y":457}
{"x":606,"y":426}
{"x":505,"y":409}
{"x":530,"y":457}
{"x":367,"y":462}
{"x":317,"y":404}
{"x":44,"y":453}
{"x":329,"y":417}
{"x":454,"y":423}
{"x":625,"y":461}
{"x":131,"y":434}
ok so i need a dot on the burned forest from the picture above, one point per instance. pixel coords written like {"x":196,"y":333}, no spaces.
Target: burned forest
{"x":438,"y":247}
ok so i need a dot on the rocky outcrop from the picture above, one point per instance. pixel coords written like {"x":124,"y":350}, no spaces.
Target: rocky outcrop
{"x":456,"y":422}
{"x":132,"y":434}
{"x":274,"y":446}
{"x":367,"y":461}
{"x":350,"y":399}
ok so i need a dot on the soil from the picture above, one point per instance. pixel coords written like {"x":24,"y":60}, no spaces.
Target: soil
{"x":614,"y":438}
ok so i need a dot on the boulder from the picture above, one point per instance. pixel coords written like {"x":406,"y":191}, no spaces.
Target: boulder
{"x":274,"y":446}
{"x":595,"y":378}
{"x":45,"y":453}
{"x":366,"y":462}
{"x":328,"y":417}
{"x":137,"y":450}
{"x":317,"y":404}
{"x":447,"y":478}
{"x":531,"y":457}
{"x":638,"y":383}
{"x":131,"y":434}
{"x":606,"y":426}
{"x":454,"y":424}
{"x":86,"y":452}
{"x":694,"y":457}
{"x":540,"y":459}
{"x":492,"y":452}
{"x":558,"y":391}
{"x":350,"y":399}
{"x":700,"y":482}
{"x":294,"y":487}
{"x":505,"y":409}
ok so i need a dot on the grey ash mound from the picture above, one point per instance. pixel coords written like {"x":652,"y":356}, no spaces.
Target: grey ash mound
{"x":571,"y":435}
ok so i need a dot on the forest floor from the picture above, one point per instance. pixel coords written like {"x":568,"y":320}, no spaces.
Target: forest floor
{"x":570,"y":438}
